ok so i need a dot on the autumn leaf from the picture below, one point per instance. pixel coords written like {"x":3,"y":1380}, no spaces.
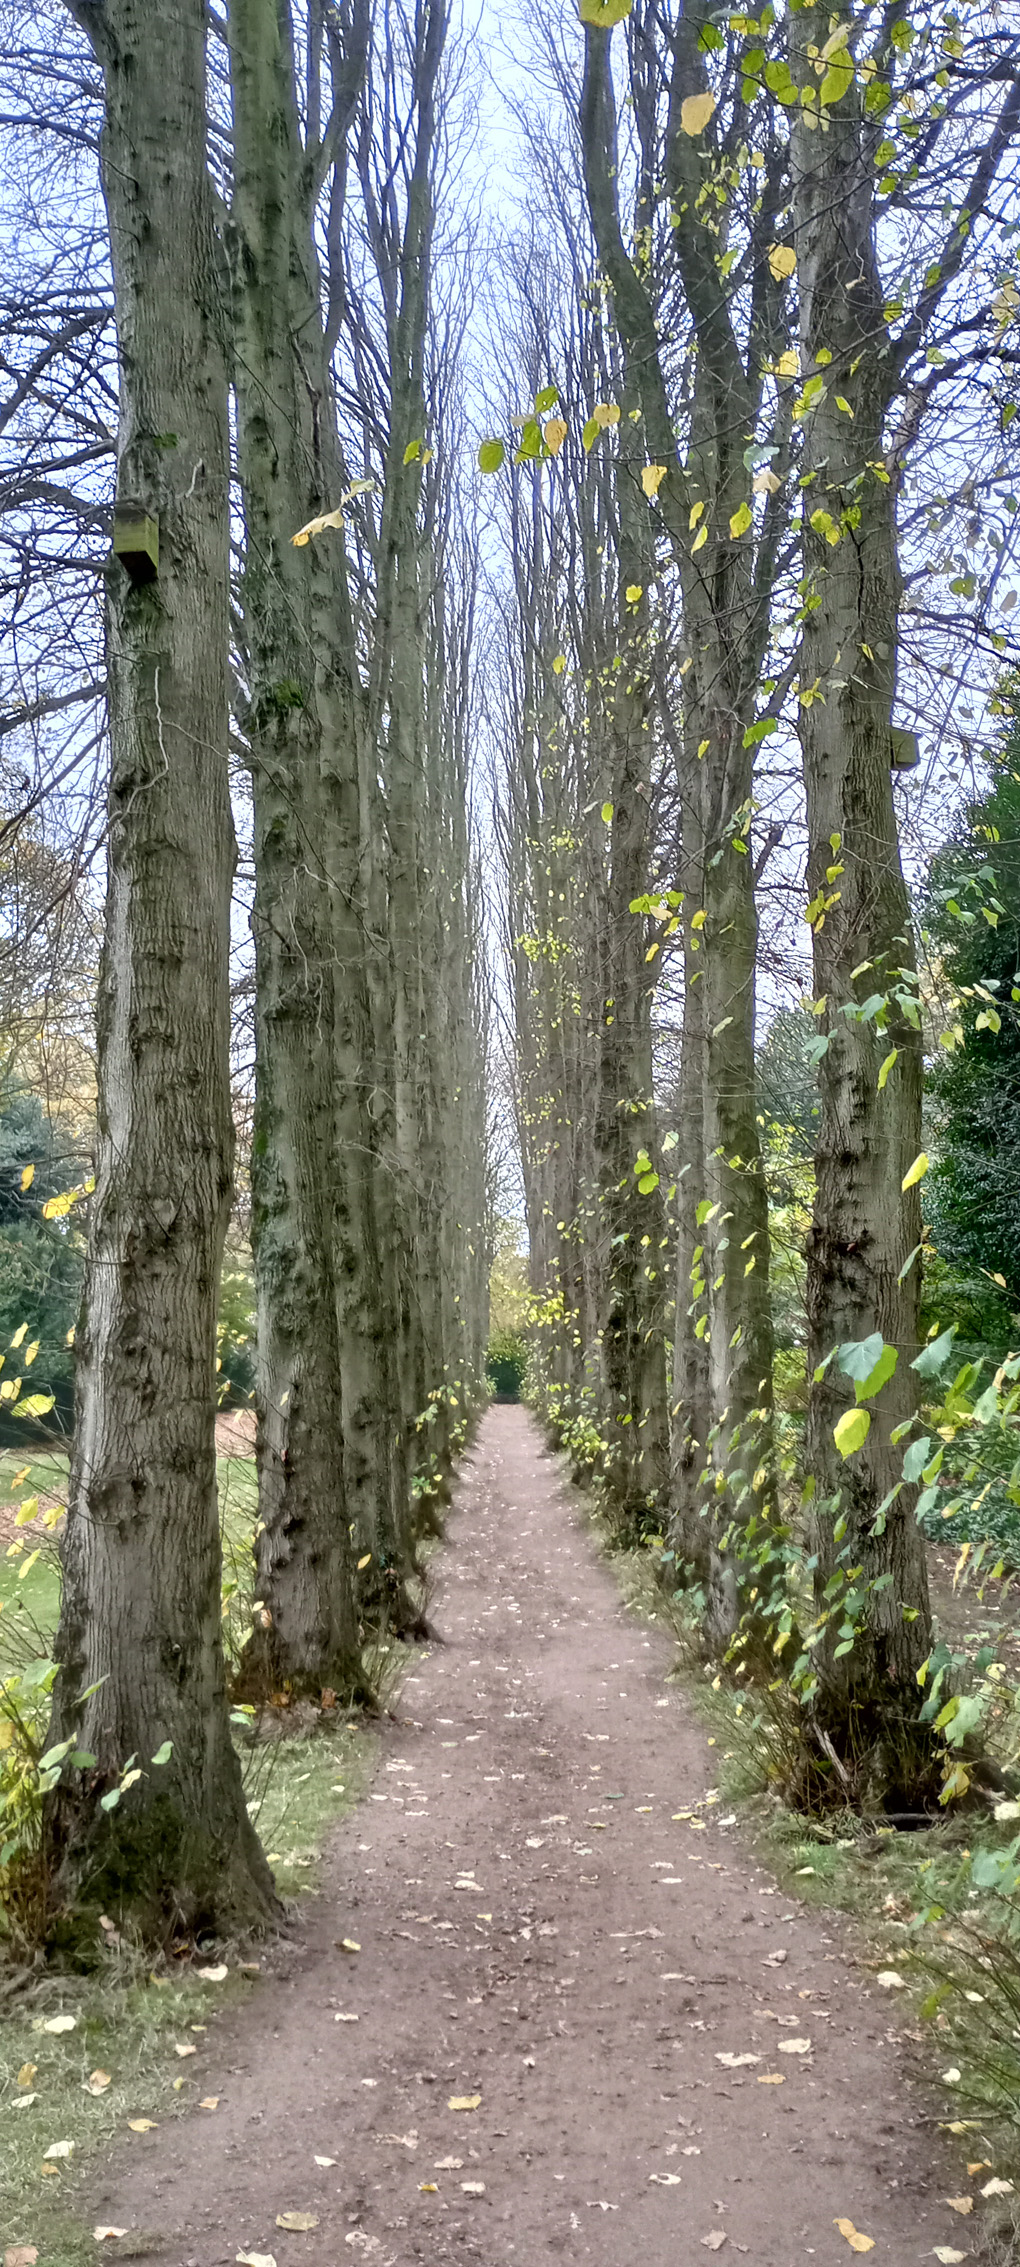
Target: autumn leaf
{"x":852,"y":1431}
{"x":652,"y":478}
{"x":255,"y":2259}
{"x":473,"y":2187}
{"x":184,"y":2048}
{"x":696,"y":112}
{"x":142,"y":2124}
{"x":99,"y":2081}
{"x":348,"y":1944}
{"x":604,"y":13}
{"x":59,"y":2149}
{"x":448,"y":2164}
{"x":464,"y":2102}
{"x":782,"y":261}
{"x":960,"y":2204}
{"x":740,"y":521}
{"x":297,"y":2223}
{"x":554,"y":434}
{"x":665,"y":2180}
{"x":737,"y":2061}
{"x":946,"y":2256}
{"x":428,"y":2188}
{"x":774,"y":2078}
{"x":213,"y":1975}
{"x":21,"y":2255}
{"x":715,"y":2241}
{"x":605,"y":414}
{"x":855,"y":2239}
{"x":100,"y":2234}
{"x":766,"y":483}
{"x":27,"y":2073}
{"x":916,"y":1171}
{"x":209,"y":2102}
{"x":56,"y":2024}
{"x":997,"y":2188}
{"x":324,"y":2161}
{"x":28,"y":1177}
{"x":889,"y":1980}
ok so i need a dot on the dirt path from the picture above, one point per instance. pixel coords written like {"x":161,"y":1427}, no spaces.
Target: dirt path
{"x":538,"y":1930}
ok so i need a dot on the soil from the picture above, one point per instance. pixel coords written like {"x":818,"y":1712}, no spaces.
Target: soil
{"x":537,"y":1929}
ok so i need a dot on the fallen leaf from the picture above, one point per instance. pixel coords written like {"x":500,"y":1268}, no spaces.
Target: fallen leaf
{"x":99,"y":2081}
{"x":666,"y":2180}
{"x":255,"y":2259}
{"x":346,"y":2018}
{"x":50,"y":2170}
{"x":951,"y":2078}
{"x":947,"y":2256}
{"x":213,"y":1975}
{"x":960,"y":2203}
{"x":142,"y":2124}
{"x":21,"y":2255}
{"x":794,"y":2046}
{"x":774,"y":2078}
{"x":210,"y":2102}
{"x":187,"y":2048}
{"x":853,"y":2235}
{"x":737,"y":2061}
{"x":100,"y":2234}
{"x":464,"y":2102}
{"x":984,"y":2165}
{"x":23,"y":2101}
{"x":715,"y":2241}
{"x":428,"y":2188}
{"x":473,"y":2187}
{"x":402,"y":2140}
{"x":448,"y":2164}
{"x":59,"y":2149}
{"x":889,"y":1980}
{"x":997,"y":2188}
{"x":27,"y":2073}
{"x":56,"y":2024}
{"x":297,"y":2223}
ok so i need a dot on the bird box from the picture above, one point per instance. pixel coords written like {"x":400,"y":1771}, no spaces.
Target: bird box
{"x":136,"y":541}
{"x":905,"y":755}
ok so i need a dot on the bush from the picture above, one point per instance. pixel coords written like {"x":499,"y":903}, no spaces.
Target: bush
{"x":506,"y":1364}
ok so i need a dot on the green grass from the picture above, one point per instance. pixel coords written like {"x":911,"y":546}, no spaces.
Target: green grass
{"x":129,"y":2015}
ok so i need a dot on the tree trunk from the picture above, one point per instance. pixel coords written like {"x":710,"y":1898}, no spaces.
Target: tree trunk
{"x":140,"y":1622}
{"x":865,"y":1228}
{"x":303,"y":737}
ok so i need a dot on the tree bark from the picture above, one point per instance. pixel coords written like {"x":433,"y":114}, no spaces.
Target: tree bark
{"x":865,"y":1228}
{"x":139,"y":1643}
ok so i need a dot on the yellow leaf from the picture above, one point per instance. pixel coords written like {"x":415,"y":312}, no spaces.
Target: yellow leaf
{"x":99,"y":2081}
{"x":886,"y":1068}
{"x":775,"y":2078}
{"x":559,"y":664}
{"x":740,"y":520}
{"x":766,"y":483}
{"x":916,"y":1172}
{"x":696,"y":512}
{"x":607,"y":814}
{"x":366,"y":1561}
{"x":856,"y":2241}
{"x":700,"y":540}
{"x":554,"y":434}
{"x":297,"y":2223}
{"x":18,"y":1339}
{"x":464,"y":2101}
{"x":652,"y":478}
{"x":142,"y":2124}
{"x":782,"y":261}
{"x":28,"y":1177}
{"x":788,"y":365}
{"x":696,"y":112}
{"x":606,"y":413}
{"x":186,"y":2049}
{"x":27,"y":2073}
{"x":852,"y":1431}
{"x":635,"y":590}
{"x":961,"y":2204}
{"x":330,"y":519}
{"x":210,"y":2102}
{"x":604,"y":13}
{"x":429,"y":2187}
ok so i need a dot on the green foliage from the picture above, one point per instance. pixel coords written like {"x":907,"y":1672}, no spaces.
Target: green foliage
{"x":41,"y":1259}
{"x":235,"y":1332}
{"x":506,"y":1363}
{"x":972,"y":915}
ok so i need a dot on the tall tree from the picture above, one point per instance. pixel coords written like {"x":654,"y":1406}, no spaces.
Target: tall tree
{"x":140,"y":1697}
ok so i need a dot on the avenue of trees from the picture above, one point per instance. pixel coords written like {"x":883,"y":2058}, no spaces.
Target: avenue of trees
{"x":497,"y":665}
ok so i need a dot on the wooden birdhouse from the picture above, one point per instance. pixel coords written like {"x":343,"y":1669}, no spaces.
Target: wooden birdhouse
{"x":136,"y":541}
{"x":905,"y":755}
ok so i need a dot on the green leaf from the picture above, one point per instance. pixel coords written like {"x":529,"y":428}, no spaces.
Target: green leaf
{"x":852,"y":1431}
{"x":916,"y":1458}
{"x":932,"y":1357}
{"x":164,"y":1753}
{"x":607,"y":814}
{"x":604,"y":13}
{"x":110,"y":1801}
{"x":547,"y":398}
{"x":647,"y":1183}
{"x":866,"y":1388}
{"x":491,"y":456}
{"x":857,"y":1358}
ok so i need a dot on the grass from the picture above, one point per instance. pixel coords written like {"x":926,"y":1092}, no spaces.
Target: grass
{"x":955,"y":1947}
{"x":129,"y":2014}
